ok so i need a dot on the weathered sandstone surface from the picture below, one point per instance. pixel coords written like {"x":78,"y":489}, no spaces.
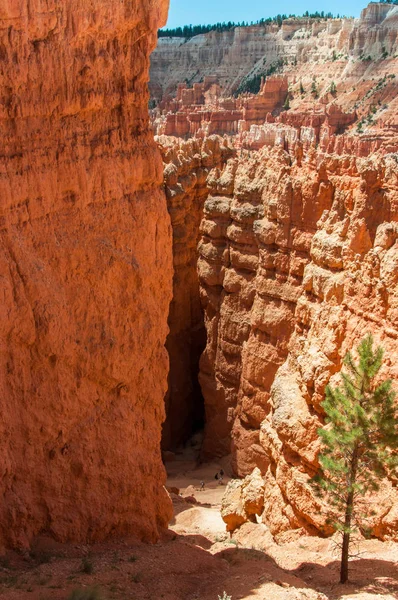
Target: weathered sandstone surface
{"x":243,"y":500}
{"x":298,"y":244}
{"x":333,"y":76}
{"x":187,"y":167}
{"x":296,"y":262}
{"x":201,"y":111}
{"x":86,"y":272}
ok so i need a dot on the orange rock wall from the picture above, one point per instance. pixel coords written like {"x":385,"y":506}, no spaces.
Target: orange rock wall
{"x":297,"y":261}
{"x":85,"y":270}
{"x":297,"y":234}
{"x":187,"y":165}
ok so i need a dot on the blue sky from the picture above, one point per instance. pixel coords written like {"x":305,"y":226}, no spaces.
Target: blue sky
{"x":195,"y":12}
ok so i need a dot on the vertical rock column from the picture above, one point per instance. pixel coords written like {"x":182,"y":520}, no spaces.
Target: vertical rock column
{"x":85,"y":273}
{"x":187,"y":166}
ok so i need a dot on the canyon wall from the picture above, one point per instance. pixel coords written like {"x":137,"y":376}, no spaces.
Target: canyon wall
{"x":296,"y":258}
{"x":86,"y":272}
{"x":296,"y":221}
{"x":297,"y":262}
{"x":331,"y":76}
{"x":187,"y":165}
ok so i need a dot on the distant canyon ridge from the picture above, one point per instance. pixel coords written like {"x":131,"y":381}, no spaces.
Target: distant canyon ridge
{"x":242,"y":52}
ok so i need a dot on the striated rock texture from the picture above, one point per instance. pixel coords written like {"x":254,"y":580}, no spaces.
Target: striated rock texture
{"x":86,"y":271}
{"x":251,"y":273}
{"x":297,"y":229}
{"x":298,"y":237}
{"x":187,"y":165}
{"x":337,"y":49}
{"x":297,"y":261}
{"x":332,"y":76}
{"x":202,"y":111}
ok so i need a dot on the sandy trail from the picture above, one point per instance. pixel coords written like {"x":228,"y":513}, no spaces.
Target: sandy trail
{"x":307,"y":567}
{"x":197,"y":559}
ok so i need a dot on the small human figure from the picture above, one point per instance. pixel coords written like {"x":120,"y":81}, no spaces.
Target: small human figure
{"x":219,"y":476}
{"x":202,"y":486}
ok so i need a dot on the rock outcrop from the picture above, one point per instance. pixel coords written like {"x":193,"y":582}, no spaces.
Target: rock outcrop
{"x":86,"y":272}
{"x":376,"y":32}
{"x":202,"y":111}
{"x":298,"y":235}
{"x":332,"y":76}
{"x":296,"y":263}
{"x":243,"y":500}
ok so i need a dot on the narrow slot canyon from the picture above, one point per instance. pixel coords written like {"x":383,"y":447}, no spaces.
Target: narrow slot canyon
{"x":265,"y":244}
{"x":187,"y":166}
{"x":179,"y":286}
{"x":184,"y":402}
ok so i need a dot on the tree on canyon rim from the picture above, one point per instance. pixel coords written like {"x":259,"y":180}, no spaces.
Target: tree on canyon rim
{"x":357,"y":442}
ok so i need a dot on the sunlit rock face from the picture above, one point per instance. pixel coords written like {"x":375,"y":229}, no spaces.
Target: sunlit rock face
{"x":304,"y":45}
{"x":298,"y":226}
{"x":296,"y":263}
{"x":86,"y":273}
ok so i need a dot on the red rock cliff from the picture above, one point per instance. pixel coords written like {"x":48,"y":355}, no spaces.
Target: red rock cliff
{"x":297,"y":261}
{"x":85,"y":270}
{"x":187,"y":165}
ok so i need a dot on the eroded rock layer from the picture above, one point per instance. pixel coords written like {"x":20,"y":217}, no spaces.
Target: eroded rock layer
{"x":86,"y":271}
{"x":297,"y":261}
{"x":302,"y":45}
{"x":187,"y":165}
{"x":330,"y":76}
{"x":298,"y":235}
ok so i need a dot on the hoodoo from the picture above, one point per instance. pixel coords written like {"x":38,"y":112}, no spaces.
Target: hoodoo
{"x":85,"y":271}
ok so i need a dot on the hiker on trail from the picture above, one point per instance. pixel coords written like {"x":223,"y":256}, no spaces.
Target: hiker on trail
{"x":202,"y":486}
{"x":219,"y":476}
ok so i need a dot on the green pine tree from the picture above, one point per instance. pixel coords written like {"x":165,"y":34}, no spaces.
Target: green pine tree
{"x":314,"y":89}
{"x":362,"y":428}
{"x":333,"y":88}
{"x":286,"y":104}
{"x":302,"y":90}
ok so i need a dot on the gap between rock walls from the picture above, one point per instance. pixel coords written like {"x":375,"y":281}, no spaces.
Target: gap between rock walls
{"x":285,"y":228}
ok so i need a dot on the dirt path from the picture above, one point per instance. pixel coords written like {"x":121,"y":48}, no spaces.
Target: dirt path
{"x":198,"y":560}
